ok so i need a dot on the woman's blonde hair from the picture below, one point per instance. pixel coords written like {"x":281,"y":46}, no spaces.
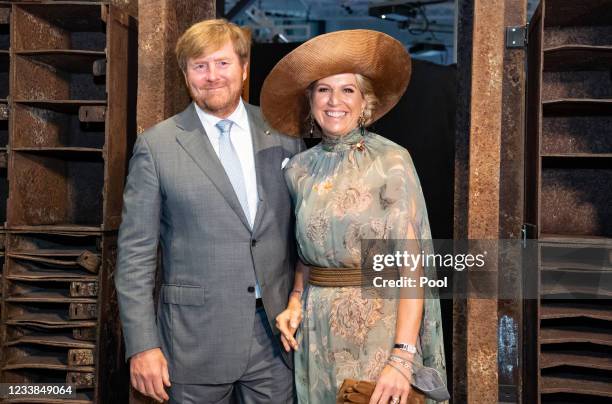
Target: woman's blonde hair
{"x":208,"y":36}
{"x":367,"y":91}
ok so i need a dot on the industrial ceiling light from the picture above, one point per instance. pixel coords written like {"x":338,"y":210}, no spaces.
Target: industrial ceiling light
{"x":426,"y":49}
{"x":399,"y":11}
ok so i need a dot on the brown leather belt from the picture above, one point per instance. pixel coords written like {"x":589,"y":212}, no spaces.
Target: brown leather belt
{"x":335,"y":277}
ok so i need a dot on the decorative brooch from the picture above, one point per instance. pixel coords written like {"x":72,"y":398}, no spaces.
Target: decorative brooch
{"x":360,"y":146}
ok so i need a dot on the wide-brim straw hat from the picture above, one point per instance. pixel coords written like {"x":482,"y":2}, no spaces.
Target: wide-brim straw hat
{"x":373,"y":54}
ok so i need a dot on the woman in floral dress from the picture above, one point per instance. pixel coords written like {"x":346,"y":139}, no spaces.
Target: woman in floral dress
{"x":354,"y":185}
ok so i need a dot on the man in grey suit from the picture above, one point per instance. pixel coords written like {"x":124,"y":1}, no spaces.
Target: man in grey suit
{"x":206,"y":186}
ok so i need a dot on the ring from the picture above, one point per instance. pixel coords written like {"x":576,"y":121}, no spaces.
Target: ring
{"x":394,"y":400}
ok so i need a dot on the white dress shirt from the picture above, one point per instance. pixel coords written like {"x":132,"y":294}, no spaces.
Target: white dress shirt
{"x":242,"y":141}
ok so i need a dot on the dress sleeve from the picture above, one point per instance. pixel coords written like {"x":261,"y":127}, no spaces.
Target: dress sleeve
{"x":409,"y":221}
{"x":404,"y":197}
{"x":293,"y":172}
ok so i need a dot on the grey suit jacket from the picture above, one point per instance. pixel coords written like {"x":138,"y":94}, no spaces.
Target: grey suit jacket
{"x":178,"y":196}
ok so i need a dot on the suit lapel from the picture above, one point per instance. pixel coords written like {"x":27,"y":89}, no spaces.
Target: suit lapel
{"x":194,"y":140}
{"x":263,"y":140}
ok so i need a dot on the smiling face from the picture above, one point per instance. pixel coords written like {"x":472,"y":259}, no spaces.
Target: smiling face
{"x":215,"y":80}
{"x":336,"y":103}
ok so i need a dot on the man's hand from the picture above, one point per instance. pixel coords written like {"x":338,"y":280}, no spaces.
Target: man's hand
{"x":288,"y":321}
{"x":149,"y":374}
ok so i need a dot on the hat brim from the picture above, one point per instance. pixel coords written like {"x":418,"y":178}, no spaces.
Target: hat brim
{"x":373,"y":54}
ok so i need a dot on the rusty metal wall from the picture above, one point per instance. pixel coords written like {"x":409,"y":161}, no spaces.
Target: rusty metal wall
{"x":465,"y":26}
{"x":161,"y":86}
{"x":477,"y":191}
{"x":568,"y":200}
{"x":129,"y":6}
{"x":65,"y":71}
{"x":5,"y":16}
{"x":511,"y":209}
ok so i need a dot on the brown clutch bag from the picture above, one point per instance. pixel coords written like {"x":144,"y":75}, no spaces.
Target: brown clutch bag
{"x":359,"y":392}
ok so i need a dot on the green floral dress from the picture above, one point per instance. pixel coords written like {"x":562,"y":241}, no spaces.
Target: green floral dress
{"x":344,"y":190}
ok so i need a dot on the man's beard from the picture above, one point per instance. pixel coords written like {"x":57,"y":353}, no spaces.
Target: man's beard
{"x":216,"y":102}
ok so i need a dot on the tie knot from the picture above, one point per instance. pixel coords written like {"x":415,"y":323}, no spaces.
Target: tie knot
{"x":224,"y":126}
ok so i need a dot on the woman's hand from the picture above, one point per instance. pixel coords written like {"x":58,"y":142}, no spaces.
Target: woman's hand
{"x":391,"y":383}
{"x":288,"y":321}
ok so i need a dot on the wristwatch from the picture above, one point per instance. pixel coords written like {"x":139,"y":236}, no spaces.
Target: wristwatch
{"x":405,"y":347}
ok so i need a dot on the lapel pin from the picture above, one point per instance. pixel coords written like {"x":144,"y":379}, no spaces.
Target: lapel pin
{"x":267,"y":132}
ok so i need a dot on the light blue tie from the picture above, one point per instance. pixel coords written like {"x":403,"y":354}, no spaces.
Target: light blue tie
{"x":231,"y":163}
{"x":233,"y":169}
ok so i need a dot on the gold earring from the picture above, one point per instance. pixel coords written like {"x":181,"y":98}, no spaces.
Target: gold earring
{"x":361,"y":121}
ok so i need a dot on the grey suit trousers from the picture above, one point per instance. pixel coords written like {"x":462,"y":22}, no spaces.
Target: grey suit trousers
{"x":267,"y":378}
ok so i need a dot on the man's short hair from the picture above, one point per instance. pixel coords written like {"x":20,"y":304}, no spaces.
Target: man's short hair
{"x":208,"y":36}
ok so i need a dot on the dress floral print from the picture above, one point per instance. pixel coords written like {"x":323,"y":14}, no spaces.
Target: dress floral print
{"x":352,"y":315}
{"x":345,"y":190}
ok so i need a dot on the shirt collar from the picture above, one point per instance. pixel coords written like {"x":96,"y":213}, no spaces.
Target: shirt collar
{"x":239,"y":116}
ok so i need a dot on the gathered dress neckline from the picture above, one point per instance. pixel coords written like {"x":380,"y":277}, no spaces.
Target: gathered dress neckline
{"x":342,"y":143}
